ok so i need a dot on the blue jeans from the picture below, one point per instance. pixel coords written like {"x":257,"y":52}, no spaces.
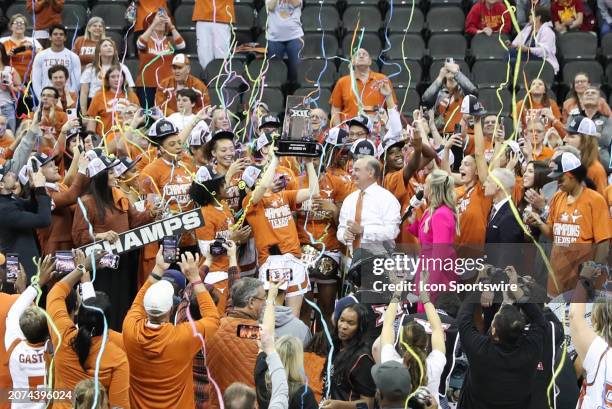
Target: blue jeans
{"x":8,"y":111}
{"x":292,"y":48}
{"x":604,"y":27}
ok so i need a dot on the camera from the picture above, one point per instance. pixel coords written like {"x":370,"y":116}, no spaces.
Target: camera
{"x":216,"y":247}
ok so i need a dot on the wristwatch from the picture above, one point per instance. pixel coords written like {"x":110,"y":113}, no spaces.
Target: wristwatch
{"x":81,"y":268}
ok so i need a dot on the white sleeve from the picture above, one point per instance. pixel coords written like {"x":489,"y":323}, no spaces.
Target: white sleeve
{"x":37,"y":74}
{"x":342,"y":219}
{"x":86,"y":75}
{"x":87,"y":290}
{"x":13,"y":331}
{"x":388,"y":353}
{"x":591,"y":360}
{"x":395,"y":123}
{"x":128,"y":75}
{"x":388,"y":228}
{"x":75,"y":75}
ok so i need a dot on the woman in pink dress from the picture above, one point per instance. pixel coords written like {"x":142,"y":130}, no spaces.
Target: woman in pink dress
{"x":436,"y":231}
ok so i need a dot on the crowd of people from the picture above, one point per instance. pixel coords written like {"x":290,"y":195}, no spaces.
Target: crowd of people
{"x":270,"y":301}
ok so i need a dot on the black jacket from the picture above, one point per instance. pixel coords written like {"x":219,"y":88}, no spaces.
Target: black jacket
{"x":499,"y":375}
{"x":502,"y":230}
{"x":19,"y":219}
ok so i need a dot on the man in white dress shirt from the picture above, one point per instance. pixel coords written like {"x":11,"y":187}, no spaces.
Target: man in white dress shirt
{"x":371,"y":214}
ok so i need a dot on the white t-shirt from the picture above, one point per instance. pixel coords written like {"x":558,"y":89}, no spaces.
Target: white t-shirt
{"x":181,"y":121}
{"x":434,"y":363}
{"x":598,"y":369}
{"x":95,"y":81}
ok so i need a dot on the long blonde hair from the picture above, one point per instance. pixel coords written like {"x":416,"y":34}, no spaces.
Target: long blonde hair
{"x":602,"y":319}
{"x":97,"y":62}
{"x":91,"y":22}
{"x":291,"y":353}
{"x":441,"y":192}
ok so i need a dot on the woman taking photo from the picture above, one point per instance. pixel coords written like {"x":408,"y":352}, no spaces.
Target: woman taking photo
{"x":537,"y":104}
{"x":107,"y":103}
{"x":155,"y":52}
{"x":574,"y":97}
{"x":445,"y":95}
{"x":437,"y":228}
{"x":108,"y":212}
{"x":19,"y":47}
{"x":351,"y":380}
{"x":85,"y":46}
{"x":105,"y":56}
{"x":10,"y":86}
{"x":76,"y":358}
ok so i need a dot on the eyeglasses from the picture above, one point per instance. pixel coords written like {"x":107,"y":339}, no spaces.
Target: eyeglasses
{"x":581,"y":81}
{"x":18,"y":23}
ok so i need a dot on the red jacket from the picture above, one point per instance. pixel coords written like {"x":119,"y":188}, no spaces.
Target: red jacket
{"x":482,"y":15}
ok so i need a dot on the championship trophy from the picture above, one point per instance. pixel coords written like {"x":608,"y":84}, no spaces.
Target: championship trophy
{"x":296,"y":138}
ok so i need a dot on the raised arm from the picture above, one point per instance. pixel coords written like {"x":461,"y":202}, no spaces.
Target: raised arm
{"x":479,"y":148}
{"x":313,"y":184}
{"x":266,"y":179}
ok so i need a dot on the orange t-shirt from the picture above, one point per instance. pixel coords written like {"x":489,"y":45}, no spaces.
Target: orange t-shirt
{"x":63,"y":104}
{"x":165,"y":97}
{"x":313,"y":367}
{"x":146,"y":7}
{"x":597,"y":174}
{"x":22,"y":61}
{"x":85,"y":49}
{"x":290,"y":178}
{"x":52,"y":128}
{"x":170,"y":180}
{"x":218,"y":221}
{"x":533,"y":110}
{"x":403,"y":192}
{"x":451,"y":112}
{"x":473,"y":207}
{"x":333,"y":187}
{"x":573,"y":227}
{"x":216,"y":11}
{"x":272,"y":222}
{"x":5,"y":142}
{"x":545,"y":153}
{"x":6,"y":302}
{"x":159,"y":54}
{"x":113,"y":371}
{"x":47,"y":13}
{"x":107,"y":104}
{"x":292,"y":163}
{"x":343,"y":96}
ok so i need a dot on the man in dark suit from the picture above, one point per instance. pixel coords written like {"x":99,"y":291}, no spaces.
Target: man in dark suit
{"x":502,"y":227}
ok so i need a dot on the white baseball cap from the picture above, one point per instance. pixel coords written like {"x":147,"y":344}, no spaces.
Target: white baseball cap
{"x":565,"y":162}
{"x":158,"y":298}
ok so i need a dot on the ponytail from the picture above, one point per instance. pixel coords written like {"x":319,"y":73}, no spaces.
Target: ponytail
{"x":91,"y":324}
{"x":81,"y":344}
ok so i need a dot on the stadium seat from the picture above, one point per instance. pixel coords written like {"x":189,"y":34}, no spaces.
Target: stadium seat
{"x":191,"y":43}
{"x":196,"y":69}
{"x":314,"y":49}
{"x":132,"y":64}
{"x":117,"y":37}
{"x":488,"y":98}
{"x":231,"y":99}
{"x":330,"y":19}
{"x":412,"y":45}
{"x":369,"y":18}
{"x":276,"y":74}
{"x":274,"y":98}
{"x":362,"y":2}
{"x":309,"y":73}
{"x":485,"y":47}
{"x":434,"y":70}
{"x":318,"y":97}
{"x":578,"y":45}
{"x":370,"y":42}
{"x":213,"y":70}
{"x":245,"y":17}
{"x":400,"y":76}
{"x":397,"y":22}
{"x":439,"y":3}
{"x":489,"y":74}
{"x":262,"y":19}
{"x":182,"y":17}
{"x":17,"y":9}
{"x":609,"y":73}
{"x":592,"y":68}
{"x":606,"y":47}
{"x":407,"y":100}
{"x":520,"y":94}
{"x":75,"y":15}
{"x":131,"y":45}
{"x":446,"y":20}
{"x":442,"y":46}
{"x":531,"y":70}
{"x":113,"y":15}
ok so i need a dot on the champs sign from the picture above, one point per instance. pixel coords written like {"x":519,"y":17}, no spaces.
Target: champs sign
{"x":150,"y":233}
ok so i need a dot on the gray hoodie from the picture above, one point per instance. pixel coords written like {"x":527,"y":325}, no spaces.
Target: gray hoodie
{"x":288,"y":324}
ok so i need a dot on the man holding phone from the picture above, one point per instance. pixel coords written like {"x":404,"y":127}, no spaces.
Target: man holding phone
{"x":21,"y":217}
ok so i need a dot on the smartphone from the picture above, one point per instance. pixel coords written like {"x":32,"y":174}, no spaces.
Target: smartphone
{"x":170,"y":249}
{"x":64,"y":262}
{"x":248,"y":331}
{"x":450,"y":60}
{"x":109,"y":260}
{"x":12,"y":267}
{"x":34,"y":165}
{"x":161,"y":11}
{"x":457,"y":128}
{"x":277,"y":274}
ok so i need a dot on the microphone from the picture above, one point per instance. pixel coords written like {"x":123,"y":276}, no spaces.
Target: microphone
{"x":415,"y":202}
